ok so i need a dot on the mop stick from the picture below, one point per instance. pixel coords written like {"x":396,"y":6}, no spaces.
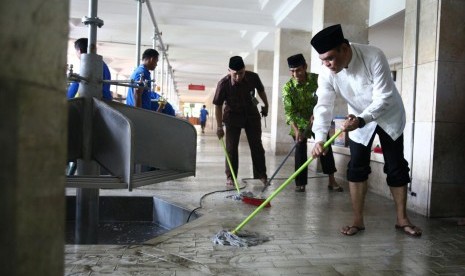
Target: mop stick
{"x":279,"y":167}
{"x":230,"y":166}
{"x":294,"y":175}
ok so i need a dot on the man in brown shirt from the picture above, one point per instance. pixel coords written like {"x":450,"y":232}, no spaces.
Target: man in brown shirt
{"x":237,"y":92}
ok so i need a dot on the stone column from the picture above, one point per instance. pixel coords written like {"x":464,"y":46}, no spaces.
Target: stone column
{"x":263,"y":66}
{"x":434,"y":64}
{"x":287,"y":43}
{"x":353,"y":19}
{"x":33,"y":127}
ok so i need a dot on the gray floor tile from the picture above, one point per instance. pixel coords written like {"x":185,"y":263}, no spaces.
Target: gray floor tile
{"x":303,"y":231}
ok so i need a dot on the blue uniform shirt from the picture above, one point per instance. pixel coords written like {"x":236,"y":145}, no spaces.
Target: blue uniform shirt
{"x":203,"y":115}
{"x":169,"y":110}
{"x":106,"y":94}
{"x":146,"y":104}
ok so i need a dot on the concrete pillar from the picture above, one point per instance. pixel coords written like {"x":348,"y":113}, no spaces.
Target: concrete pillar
{"x":263,"y":66}
{"x":353,"y":19}
{"x":33,"y":135}
{"x":433,"y":87}
{"x":287,"y":43}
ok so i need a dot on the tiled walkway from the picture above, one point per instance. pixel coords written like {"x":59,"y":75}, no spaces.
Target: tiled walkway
{"x":303,"y":227}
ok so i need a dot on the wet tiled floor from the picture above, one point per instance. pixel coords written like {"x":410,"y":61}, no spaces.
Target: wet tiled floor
{"x":303,"y":229}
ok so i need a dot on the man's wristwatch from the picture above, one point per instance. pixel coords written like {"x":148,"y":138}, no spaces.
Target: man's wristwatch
{"x":361,"y":122}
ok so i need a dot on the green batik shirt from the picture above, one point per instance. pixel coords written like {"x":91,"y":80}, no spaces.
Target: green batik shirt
{"x":299,"y":101}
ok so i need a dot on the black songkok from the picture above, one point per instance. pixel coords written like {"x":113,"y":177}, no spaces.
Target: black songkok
{"x":296,"y":61}
{"x":328,"y":39}
{"x":236,"y":63}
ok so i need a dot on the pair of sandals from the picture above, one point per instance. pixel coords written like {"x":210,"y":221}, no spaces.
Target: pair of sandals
{"x":408,"y":229}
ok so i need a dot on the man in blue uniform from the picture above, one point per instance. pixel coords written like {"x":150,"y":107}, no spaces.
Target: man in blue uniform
{"x":140,"y":97}
{"x":203,"y":118}
{"x":81,"y":48}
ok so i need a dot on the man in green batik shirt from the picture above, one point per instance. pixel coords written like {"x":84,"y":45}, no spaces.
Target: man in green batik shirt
{"x":299,"y":98}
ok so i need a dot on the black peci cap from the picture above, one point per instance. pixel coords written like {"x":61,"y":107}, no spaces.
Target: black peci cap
{"x":328,"y":39}
{"x":296,"y":61}
{"x":236,"y":63}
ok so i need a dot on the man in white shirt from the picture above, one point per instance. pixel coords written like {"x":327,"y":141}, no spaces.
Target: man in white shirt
{"x":360,"y":74}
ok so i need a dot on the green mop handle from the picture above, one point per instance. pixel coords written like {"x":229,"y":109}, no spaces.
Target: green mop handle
{"x":294,"y":175}
{"x":230,"y":165}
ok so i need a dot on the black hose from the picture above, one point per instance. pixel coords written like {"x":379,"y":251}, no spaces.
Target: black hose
{"x":210,"y":193}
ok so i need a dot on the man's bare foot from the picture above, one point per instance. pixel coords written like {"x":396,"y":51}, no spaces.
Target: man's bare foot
{"x":409,"y":229}
{"x":335,"y":187}
{"x":351,"y":230}
{"x":332,"y":184}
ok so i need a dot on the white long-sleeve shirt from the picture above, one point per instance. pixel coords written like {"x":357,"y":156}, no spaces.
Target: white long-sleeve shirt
{"x":367,"y":87}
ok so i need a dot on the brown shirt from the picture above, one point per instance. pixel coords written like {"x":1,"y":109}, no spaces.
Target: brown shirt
{"x":237,"y":98}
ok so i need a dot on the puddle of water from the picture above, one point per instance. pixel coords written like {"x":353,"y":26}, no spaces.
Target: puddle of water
{"x":130,"y":220}
{"x":125,"y":232}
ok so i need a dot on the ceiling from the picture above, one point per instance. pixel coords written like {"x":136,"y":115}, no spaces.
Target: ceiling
{"x":200,"y":35}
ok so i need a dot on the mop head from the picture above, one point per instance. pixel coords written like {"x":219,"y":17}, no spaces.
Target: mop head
{"x":235,"y":197}
{"x":243,"y":239}
{"x":241,"y":195}
{"x":247,"y":194}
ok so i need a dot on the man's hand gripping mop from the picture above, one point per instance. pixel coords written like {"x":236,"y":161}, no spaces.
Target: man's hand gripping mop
{"x":249,"y":239}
